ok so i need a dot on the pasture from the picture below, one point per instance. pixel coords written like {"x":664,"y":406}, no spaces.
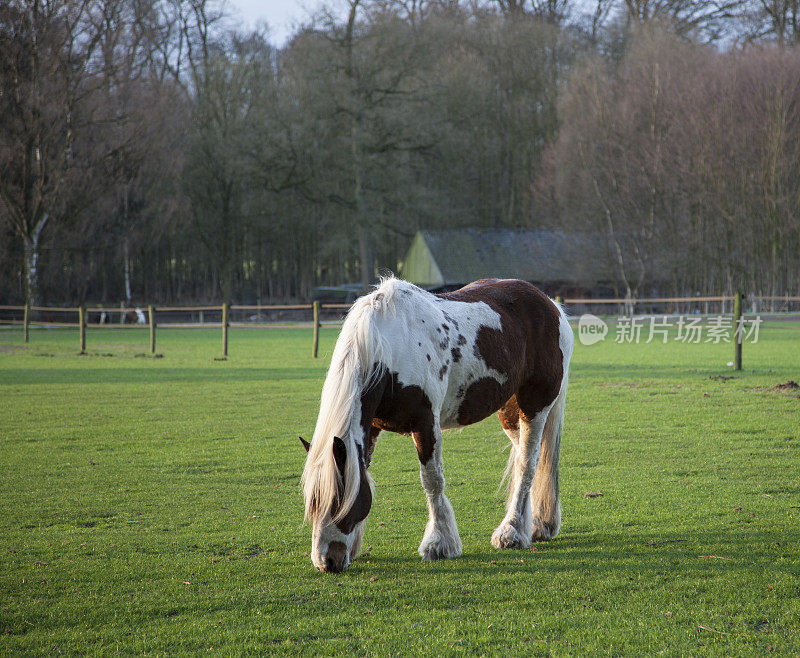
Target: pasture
{"x":153,"y":505}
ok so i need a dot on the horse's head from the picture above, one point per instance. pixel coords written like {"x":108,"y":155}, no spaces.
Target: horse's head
{"x":338,"y":492}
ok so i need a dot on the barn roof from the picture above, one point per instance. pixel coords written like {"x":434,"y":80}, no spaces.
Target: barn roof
{"x":461,"y":255}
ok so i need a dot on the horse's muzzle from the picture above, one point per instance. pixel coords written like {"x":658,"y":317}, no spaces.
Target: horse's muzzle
{"x":336,"y":558}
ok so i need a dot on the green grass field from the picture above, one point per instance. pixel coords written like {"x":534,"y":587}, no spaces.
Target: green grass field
{"x":153,"y":506}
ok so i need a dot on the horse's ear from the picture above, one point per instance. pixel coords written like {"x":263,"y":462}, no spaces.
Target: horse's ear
{"x":339,"y":453}
{"x":305,"y":443}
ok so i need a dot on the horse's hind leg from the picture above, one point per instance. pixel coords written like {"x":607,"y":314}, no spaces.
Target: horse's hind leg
{"x":441,"y":538}
{"x":509,"y":420}
{"x":516,"y":528}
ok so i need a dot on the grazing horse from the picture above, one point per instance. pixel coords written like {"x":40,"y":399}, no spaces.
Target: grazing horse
{"x":412,"y":362}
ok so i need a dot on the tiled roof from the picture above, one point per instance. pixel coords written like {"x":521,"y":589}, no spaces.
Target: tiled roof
{"x":537,"y":255}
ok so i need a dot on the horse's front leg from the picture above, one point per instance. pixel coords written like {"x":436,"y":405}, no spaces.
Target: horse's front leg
{"x":441,"y":538}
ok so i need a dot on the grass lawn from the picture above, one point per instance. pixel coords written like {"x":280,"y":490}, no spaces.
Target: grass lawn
{"x":153,"y":505}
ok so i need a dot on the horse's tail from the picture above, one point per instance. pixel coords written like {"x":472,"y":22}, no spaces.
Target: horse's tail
{"x":545,"y":503}
{"x":544,"y":491}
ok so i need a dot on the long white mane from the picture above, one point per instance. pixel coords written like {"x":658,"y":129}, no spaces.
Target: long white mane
{"x":358,"y":348}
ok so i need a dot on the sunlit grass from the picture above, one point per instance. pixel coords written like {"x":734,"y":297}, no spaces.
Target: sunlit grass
{"x":152,"y":505}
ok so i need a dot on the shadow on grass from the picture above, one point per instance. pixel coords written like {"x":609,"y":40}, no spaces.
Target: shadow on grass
{"x":695,"y":554}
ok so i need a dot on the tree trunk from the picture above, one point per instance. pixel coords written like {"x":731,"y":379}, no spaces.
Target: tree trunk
{"x":31,"y":273}
{"x":32,"y":262}
{"x":366,"y":257}
{"x":126,"y":264}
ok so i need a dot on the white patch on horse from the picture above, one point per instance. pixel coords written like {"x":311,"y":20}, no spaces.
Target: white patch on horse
{"x":425,"y":347}
{"x":470,"y":367}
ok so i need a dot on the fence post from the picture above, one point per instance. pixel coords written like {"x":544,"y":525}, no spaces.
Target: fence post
{"x":82,"y":324}
{"x":151,"y":316}
{"x":315,"y":346}
{"x":225,"y":308}
{"x":737,"y":324}
{"x":26,"y":319}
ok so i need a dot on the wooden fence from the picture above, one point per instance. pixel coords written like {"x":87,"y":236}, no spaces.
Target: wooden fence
{"x":136,"y":317}
{"x":56,"y":316}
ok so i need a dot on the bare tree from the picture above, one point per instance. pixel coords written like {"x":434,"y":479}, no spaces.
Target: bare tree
{"x":362,"y":82}
{"x":777,"y":20}
{"x":552,"y":11}
{"x":687,"y":159}
{"x":57,"y":62}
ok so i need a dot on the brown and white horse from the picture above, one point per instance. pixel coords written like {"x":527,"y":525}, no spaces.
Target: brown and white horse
{"x":415,"y":363}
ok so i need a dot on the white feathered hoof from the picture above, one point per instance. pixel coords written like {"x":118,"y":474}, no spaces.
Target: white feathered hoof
{"x":543,"y":531}
{"x":507,"y":536}
{"x":439,"y":548}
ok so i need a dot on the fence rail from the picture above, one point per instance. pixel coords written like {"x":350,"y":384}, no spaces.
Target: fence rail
{"x":648,"y":300}
{"x":209,"y":316}
{"x":258,"y":315}
{"x":682,"y":300}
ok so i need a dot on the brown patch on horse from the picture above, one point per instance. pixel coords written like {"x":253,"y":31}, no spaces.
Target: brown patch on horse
{"x":509,"y":415}
{"x":363,"y":502}
{"x":425,"y":441}
{"x":537,"y":397}
{"x":493,"y":345}
{"x":483,"y":397}
{"x":389,"y":405}
{"x":370,"y":399}
{"x":456,"y":354}
{"x":360,"y":509}
{"x":527,"y":349}
{"x":339,"y":453}
{"x":370,"y":447}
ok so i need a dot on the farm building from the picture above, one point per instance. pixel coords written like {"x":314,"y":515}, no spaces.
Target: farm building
{"x":558,"y":263}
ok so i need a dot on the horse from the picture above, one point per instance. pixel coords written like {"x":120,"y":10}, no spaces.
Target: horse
{"x":415,"y":363}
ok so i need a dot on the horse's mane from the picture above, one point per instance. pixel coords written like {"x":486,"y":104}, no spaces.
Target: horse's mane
{"x":359,"y":348}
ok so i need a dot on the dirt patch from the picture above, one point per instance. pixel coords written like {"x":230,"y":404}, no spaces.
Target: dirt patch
{"x":722,"y":378}
{"x":791,"y":385}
